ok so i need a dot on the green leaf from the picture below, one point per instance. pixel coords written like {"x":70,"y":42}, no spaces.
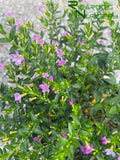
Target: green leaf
{"x":4,"y":40}
{"x":23,"y":131}
{"x":25,"y":145}
{"x":2,"y":31}
{"x":113,"y":110}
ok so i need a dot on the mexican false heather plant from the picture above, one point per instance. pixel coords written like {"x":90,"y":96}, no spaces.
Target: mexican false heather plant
{"x":65,"y":101}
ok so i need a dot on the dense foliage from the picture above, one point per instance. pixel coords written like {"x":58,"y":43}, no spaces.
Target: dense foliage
{"x":64,"y":102}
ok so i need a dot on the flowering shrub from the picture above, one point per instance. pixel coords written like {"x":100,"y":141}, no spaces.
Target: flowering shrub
{"x":65,"y":104}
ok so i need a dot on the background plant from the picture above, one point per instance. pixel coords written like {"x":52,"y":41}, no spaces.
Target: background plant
{"x":63,"y":101}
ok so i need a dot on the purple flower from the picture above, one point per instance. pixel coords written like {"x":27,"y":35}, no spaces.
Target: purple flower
{"x":70,"y":102}
{"x":72,"y":33}
{"x":64,"y":135}
{"x":36,"y":139}
{"x":9,"y":14}
{"x":35,"y":75}
{"x":44,"y":75}
{"x":17,"y":24}
{"x":44,"y":87}
{"x":101,"y":41}
{"x":41,"y":42}
{"x":45,"y":59}
{"x":56,"y":92}
{"x":2,"y":66}
{"x":104,"y":140}
{"x":87,"y":52}
{"x":101,"y":11}
{"x":84,"y":1}
{"x":86,"y":150}
{"x":83,"y":42}
{"x":61,"y":62}
{"x":17,"y":97}
{"x":109,"y":33}
{"x":11,"y":28}
{"x":109,"y":152}
{"x":59,"y":53}
{"x":17,"y":58}
{"x":40,"y":9}
{"x":64,"y":34}
{"x":36,"y":36}
{"x":118,"y":158}
{"x":51,"y":78}
{"x":56,"y":43}
{"x":79,"y":40}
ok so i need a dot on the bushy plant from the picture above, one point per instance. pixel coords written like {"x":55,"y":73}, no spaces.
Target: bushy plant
{"x":64,"y":103}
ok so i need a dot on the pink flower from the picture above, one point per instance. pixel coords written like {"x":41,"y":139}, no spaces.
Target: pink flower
{"x":104,"y":140}
{"x":44,"y":75}
{"x":87,"y":52}
{"x":109,"y":33}
{"x":84,"y":1}
{"x":79,"y":40}
{"x":72,"y":33}
{"x":36,"y":139}
{"x":2,"y":66}
{"x":59,"y":53}
{"x":56,"y":43}
{"x":56,"y":92}
{"x":40,"y":9}
{"x":118,"y":158}
{"x":64,"y":135}
{"x":17,"y":58}
{"x":44,"y":87}
{"x":70,"y":102}
{"x":61,"y":62}
{"x":36,"y":36}
{"x":109,"y":152}
{"x":41,"y":42}
{"x":101,"y":11}
{"x":17,"y":24}
{"x":101,"y":41}
{"x":64,"y":34}
{"x":35,"y":75}
{"x":11,"y":28}
{"x":51,"y":78}
{"x":86,"y":150}
{"x":9,"y":14}
{"x":17,"y":97}
{"x":83,"y":43}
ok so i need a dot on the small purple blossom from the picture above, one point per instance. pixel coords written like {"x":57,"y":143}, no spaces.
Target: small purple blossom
{"x":56,"y":43}
{"x":2,"y":66}
{"x":9,"y":14}
{"x":17,"y":97}
{"x":84,"y":1}
{"x":56,"y":92}
{"x":35,"y":75}
{"x":40,"y":9}
{"x":45,"y":75}
{"x":87,"y":52}
{"x":104,"y":140}
{"x":59,"y":53}
{"x":101,"y":11}
{"x":109,"y":33}
{"x":70,"y":102}
{"x":45,"y":59}
{"x":51,"y":78}
{"x":109,"y":152}
{"x":72,"y":33}
{"x":86,"y":150}
{"x":41,"y":42}
{"x":64,"y":34}
{"x":101,"y":41}
{"x":61,"y":62}
{"x":79,"y":40}
{"x":36,"y":139}
{"x":83,"y":42}
{"x":11,"y":28}
{"x":17,"y":23}
{"x":118,"y":158}
{"x":44,"y":87}
{"x":17,"y":58}
{"x":64,"y":135}
{"x":36,"y":36}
